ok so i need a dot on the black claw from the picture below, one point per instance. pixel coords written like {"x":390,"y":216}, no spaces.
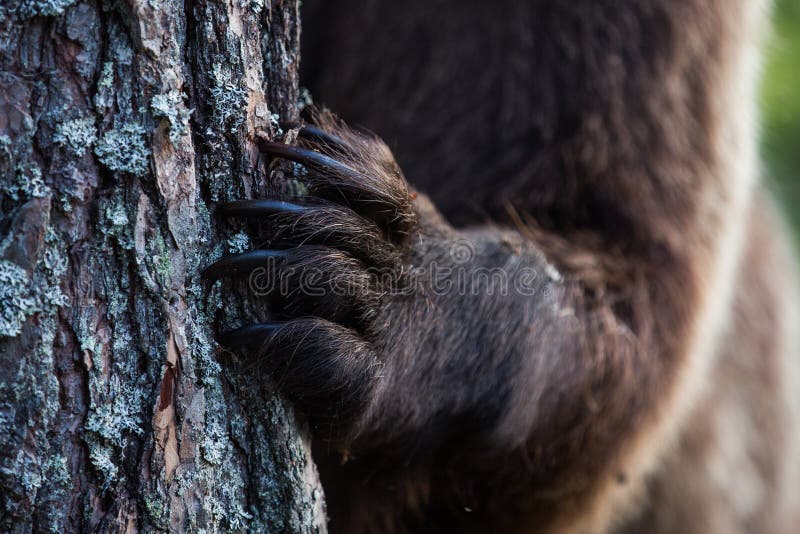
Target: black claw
{"x":288,"y":125}
{"x":237,"y":264}
{"x":250,"y":335}
{"x":304,"y":156}
{"x":258,"y":208}
{"x":318,"y":134}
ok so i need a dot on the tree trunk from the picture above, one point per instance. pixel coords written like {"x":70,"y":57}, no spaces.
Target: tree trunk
{"x":121,"y":125}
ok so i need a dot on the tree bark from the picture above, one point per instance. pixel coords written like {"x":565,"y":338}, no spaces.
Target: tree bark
{"x":122,"y":124}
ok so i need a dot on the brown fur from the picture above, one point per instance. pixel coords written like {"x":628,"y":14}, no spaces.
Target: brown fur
{"x":606,"y":146}
{"x":734,"y":466}
{"x":600,"y":121}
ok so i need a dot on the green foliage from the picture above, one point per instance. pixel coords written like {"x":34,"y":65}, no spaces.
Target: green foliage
{"x":780,"y":92}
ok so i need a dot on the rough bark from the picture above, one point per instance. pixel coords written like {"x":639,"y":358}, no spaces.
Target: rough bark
{"x":121,"y":125}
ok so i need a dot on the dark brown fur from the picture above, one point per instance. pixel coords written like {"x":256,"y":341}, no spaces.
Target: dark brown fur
{"x":599,"y":145}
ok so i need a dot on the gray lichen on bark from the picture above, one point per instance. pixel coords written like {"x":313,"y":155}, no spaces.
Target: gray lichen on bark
{"x":121,"y":124}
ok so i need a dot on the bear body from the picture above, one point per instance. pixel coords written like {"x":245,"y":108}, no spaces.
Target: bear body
{"x":638,"y":371}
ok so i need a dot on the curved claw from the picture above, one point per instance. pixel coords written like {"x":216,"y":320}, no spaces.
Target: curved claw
{"x":304,"y":156}
{"x":318,"y":134}
{"x":237,"y":264}
{"x":254,"y":334}
{"x":258,"y":208}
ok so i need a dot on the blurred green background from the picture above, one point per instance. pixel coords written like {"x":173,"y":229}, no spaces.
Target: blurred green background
{"x":780,"y":95}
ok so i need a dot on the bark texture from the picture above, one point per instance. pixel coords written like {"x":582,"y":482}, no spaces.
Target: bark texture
{"x":121,"y":125}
